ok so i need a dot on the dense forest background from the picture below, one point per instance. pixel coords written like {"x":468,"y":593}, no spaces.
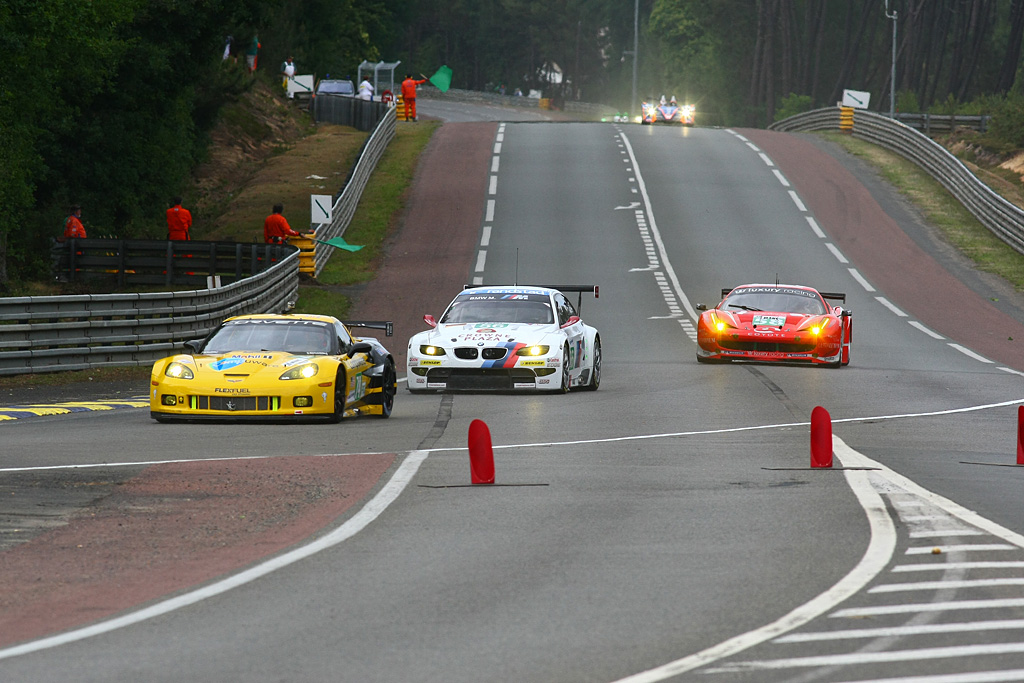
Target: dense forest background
{"x":107,"y":103}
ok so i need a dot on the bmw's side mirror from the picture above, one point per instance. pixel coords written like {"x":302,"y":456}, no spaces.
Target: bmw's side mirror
{"x":429,"y":319}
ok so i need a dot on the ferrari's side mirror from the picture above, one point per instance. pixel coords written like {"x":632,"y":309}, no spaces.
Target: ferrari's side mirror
{"x":845,"y":313}
{"x":702,"y":307}
{"x":429,"y":319}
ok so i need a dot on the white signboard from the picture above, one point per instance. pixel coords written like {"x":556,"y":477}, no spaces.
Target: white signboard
{"x":856,"y":98}
{"x":321,"y":208}
{"x":300,"y":84}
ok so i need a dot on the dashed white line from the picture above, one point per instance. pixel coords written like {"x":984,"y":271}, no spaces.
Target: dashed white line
{"x":782,"y":178}
{"x":494,"y":163}
{"x":888,"y":304}
{"x":485,"y":237}
{"x":497,"y":148}
{"x":814,"y":226}
{"x":835,"y":252}
{"x":481,"y":258}
{"x":489,"y":216}
{"x":493,"y":188}
{"x":860,"y":279}
{"x":930,"y":333}
{"x":796,"y":200}
{"x":766,"y":159}
{"x":970,"y":354}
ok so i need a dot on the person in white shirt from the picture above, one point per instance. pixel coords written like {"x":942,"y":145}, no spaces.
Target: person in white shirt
{"x":366,"y":90}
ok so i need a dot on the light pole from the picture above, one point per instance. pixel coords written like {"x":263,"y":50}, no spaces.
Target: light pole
{"x":636,"y":46}
{"x":892,"y":73}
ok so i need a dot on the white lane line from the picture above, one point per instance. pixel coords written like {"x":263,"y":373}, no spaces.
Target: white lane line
{"x":369,"y":512}
{"x":860,"y":280}
{"x":1011,"y":370}
{"x":489,"y":215}
{"x":943,"y":566}
{"x":501,"y":136}
{"x":814,"y":226}
{"x":494,"y":163}
{"x":881,"y":545}
{"x":796,"y":200}
{"x":497,"y":148}
{"x":945,"y":532}
{"x":892,"y":307}
{"x":940,"y":585}
{"x":970,"y":354}
{"x":478,"y":280}
{"x":835,"y":252}
{"x":485,"y":237}
{"x":782,"y":178}
{"x":899,"y":631}
{"x":1005,"y":676}
{"x":765,"y":159}
{"x":493,"y":188}
{"x":751,"y":145}
{"x":481,"y":258}
{"x":875,"y":658}
{"x":930,"y":333}
{"x":917,"y":608}
{"x":971,"y":548}
{"x":666,"y":264}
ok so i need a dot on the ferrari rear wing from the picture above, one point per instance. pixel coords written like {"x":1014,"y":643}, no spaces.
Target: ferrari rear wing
{"x":387,"y":325}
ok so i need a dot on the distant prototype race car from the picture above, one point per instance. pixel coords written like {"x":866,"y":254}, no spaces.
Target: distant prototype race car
{"x":276,"y":367}
{"x":507,"y":338}
{"x":776,"y":323}
{"x":653,"y":112}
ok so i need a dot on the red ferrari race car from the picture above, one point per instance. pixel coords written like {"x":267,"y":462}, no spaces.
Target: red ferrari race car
{"x":667,"y":113}
{"x":776,"y":324}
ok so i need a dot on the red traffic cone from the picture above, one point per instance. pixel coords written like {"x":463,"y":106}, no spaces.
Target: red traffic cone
{"x":1020,"y":435}
{"x":821,"y":438}
{"x":481,"y":455}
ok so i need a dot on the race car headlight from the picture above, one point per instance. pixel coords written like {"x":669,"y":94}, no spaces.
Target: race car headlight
{"x":720,"y":324}
{"x":301,"y":372}
{"x":429,"y":350}
{"x":179,"y":371}
{"x":819,"y":327}
{"x":535,"y":350}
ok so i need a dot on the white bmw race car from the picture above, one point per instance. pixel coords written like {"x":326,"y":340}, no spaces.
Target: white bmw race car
{"x":507,"y":339}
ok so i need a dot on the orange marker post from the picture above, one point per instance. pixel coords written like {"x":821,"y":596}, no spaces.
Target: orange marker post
{"x":821,"y":438}
{"x":481,"y":454}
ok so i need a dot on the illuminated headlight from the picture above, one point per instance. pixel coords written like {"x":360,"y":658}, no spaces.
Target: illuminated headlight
{"x":536,"y":350}
{"x":428,"y":350}
{"x":301,"y":372}
{"x":179,"y":371}
{"x":819,"y":328}
{"x":687,"y":110}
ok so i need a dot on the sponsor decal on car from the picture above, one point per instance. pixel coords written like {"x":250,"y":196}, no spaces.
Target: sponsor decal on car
{"x":424,"y":361}
{"x":531,"y":363}
{"x":770,"y":320}
{"x":230,"y":390}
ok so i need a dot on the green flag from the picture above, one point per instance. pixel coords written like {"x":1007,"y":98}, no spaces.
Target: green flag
{"x":442,"y":80}
{"x":340,"y":243}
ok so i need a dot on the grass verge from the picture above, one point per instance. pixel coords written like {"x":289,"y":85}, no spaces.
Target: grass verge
{"x":954,"y":222}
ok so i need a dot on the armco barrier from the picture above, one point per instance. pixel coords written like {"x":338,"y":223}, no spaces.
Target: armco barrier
{"x":1003,"y":218}
{"x":53,"y":333}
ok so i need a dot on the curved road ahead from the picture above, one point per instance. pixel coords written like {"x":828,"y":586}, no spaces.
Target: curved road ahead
{"x":666,"y":527}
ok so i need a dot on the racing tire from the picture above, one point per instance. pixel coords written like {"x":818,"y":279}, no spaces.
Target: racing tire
{"x":388,"y":389}
{"x":340,"y":386}
{"x":566,"y":379}
{"x":595,"y":371}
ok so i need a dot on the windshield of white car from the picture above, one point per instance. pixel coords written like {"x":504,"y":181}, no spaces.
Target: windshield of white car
{"x":288,"y":337}
{"x":532,"y":310}
{"x":775,"y":299}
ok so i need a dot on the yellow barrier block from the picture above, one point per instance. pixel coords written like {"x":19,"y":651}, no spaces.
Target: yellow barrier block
{"x":845,"y":119}
{"x":545,"y":103}
{"x":307,"y":253}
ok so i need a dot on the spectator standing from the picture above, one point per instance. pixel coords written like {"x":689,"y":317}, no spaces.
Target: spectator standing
{"x":252,"y":54}
{"x":287,"y":71}
{"x":366,"y":90}
{"x":409,"y":95}
{"x":179,"y":221}
{"x":227,"y":47}
{"x":73,"y":228}
{"x":276,"y":229}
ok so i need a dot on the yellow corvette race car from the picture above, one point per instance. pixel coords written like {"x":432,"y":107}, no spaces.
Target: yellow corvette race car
{"x":276,"y":367}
